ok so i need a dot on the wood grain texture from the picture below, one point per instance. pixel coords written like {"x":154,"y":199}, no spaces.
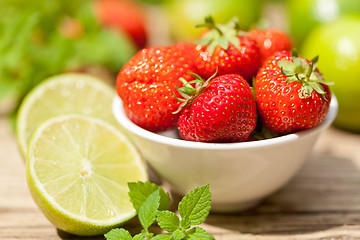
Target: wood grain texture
{"x":321,"y":202}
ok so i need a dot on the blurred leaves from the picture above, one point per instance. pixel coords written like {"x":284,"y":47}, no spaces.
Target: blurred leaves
{"x":40,"y":38}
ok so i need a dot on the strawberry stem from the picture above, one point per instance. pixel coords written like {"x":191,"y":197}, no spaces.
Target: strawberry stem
{"x":309,"y":71}
{"x":220,"y":35}
{"x":300,"y":70}
{"x":210,"y":24}
{"x":190,"y":92}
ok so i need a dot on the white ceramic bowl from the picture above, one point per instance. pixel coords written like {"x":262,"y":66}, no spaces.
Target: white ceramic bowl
{"x":239,"y":174}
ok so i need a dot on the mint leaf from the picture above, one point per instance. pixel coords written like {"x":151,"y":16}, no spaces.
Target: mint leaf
{"x":148,"y":210}
{"x":118,"y":234}
{"x":178,"y":235}
{"x":168,"y":221}
{"x":197,"y":233}
{"x":194,"y":208}
{"x":140,"y":236}
{"x":139,"y":191}
{"x":196,"y":205}
{"x":185,"y":222}
{"x":162,"y":237}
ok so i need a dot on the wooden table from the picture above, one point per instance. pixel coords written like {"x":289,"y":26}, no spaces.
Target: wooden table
{"x":321,"y":202}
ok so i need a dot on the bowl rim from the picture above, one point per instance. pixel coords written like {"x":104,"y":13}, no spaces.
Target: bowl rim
{"x":126,"y":123}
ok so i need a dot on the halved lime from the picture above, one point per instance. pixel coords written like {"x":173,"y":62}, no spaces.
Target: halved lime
{"x":63,"y":94}
{"x":77,"y":170}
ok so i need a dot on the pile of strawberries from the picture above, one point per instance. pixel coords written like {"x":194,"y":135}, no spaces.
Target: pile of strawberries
{"x":229,"y":86}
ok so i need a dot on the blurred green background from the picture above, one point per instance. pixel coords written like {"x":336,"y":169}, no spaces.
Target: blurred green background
{"x":41,"y":38}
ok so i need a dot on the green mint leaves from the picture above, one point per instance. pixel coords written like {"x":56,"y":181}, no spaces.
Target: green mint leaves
{"x":117,"y":234}
{"x":151,"y":203}
{"x":139,"y":191}
{"x":195,"y":205}
{"x":147,"y":211}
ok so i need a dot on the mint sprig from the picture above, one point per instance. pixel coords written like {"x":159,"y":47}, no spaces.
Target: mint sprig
{"x":139,"y":191}
{"x":148,"y":210}
{"x":168,"y":221}
{"x":118,"y":233}
{"x":195,"y":205}
{"x":151,"y":202}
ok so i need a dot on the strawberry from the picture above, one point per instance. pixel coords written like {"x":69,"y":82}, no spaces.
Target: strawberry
{"x":123,"y":15}
{"x":147,"y":82}
{"x":291,"y":93}
{"x":221,"y":109}
{"x":224,"y":49}
{"x":270,"y":41}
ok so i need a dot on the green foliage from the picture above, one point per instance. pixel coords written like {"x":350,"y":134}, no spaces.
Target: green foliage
{"x":118,"y":233}
{"x":139,"y":191}
{"x":34,"y":47}
{"x":168,"y":221}
{"x":149,"y":201}
{"x":195,"y":205}
{"x":148,"y":209}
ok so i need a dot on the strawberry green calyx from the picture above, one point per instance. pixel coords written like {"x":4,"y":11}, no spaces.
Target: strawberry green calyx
{"x":220,"y":34}
{"x":191,"y":90}
{"x":304,"y":72}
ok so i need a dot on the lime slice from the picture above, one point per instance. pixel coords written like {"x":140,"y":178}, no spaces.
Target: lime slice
{"x":77,"y":170}
{"x":63,"y":94}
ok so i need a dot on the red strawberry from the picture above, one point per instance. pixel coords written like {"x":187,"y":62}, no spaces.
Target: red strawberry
{"x":221,"y":110}
{"x":291,"y":93}
{"x":125,"y":15}
{"x":270,"y":41}
{"x":222,"y":47}
{"x":147,"y":82}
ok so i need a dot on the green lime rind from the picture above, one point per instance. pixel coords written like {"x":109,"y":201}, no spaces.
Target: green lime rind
{"x":93,"y":212}
{"x":68,"y":93}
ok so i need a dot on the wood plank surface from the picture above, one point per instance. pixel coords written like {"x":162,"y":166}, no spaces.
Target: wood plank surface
{"x":321,"y":202}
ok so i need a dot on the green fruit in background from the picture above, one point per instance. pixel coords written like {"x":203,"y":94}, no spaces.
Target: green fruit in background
{"x":185,"y":14}
{"x":304,"y":15}
{"x":338,"y":46}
